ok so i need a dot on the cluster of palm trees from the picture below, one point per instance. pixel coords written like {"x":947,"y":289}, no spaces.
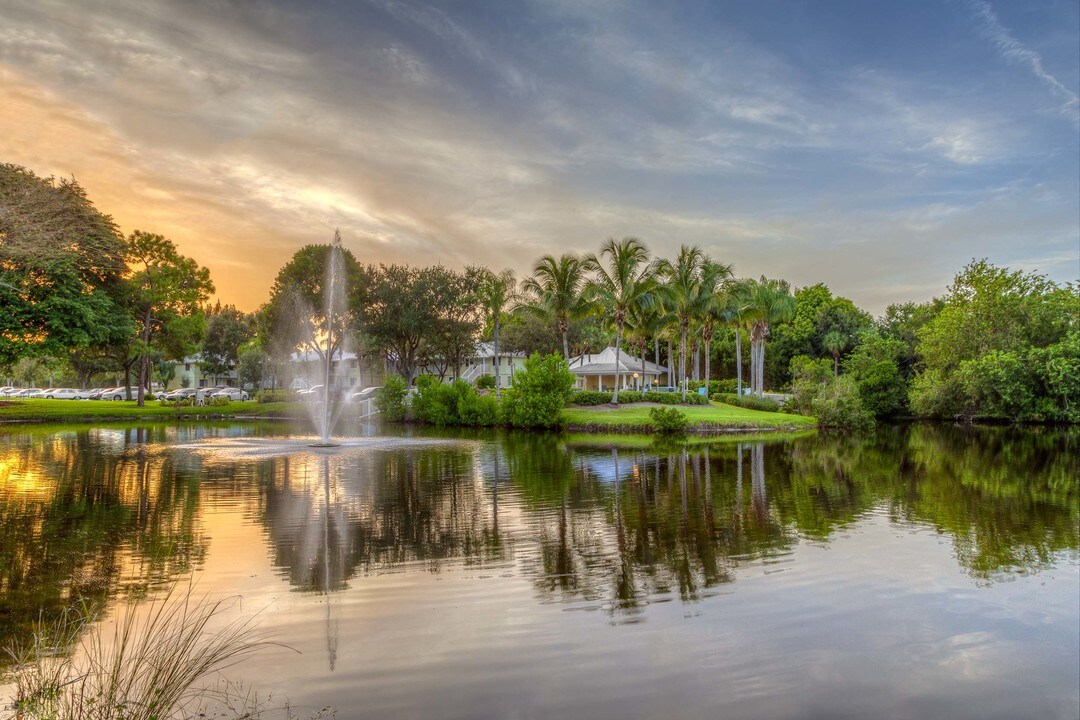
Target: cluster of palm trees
{"x":658,"y":299}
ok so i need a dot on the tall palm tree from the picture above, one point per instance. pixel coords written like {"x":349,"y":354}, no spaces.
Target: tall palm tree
{"x":690,"y":286}
{"x":495,"y":292}
{"x":555,"y":291}
{"x":767,"y":302}
{"x":713,"y":310}
{"x":644,"y":322}
{"x":627,"y":281}
{"x":731,"y":303}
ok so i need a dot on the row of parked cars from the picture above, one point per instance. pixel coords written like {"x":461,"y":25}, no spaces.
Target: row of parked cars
{"x":317,"y":393}
{"x":118,"y":393}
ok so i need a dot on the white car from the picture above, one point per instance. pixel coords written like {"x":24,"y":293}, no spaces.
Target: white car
{"x":66,"y":394}
{"x":232,"y":394}
{"x":36,"y":393}
{"x":365,"y":394}
{"x":119,"y":393}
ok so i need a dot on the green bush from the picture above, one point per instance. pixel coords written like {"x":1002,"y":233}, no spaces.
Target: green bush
{"x":750,"y":402}
{"x":436,"y":402}
{"x":716,"y":387}
{"x":476,"y":410}
{"x":279,"y":395}
{"x":390,"y":399}
{"x":539,"y":392}
{"x":674,"y":398}
{"x":485,"y":382}
{"x":594,"y":397}
{"x":839,"y":405}
{"x":668,"y":421}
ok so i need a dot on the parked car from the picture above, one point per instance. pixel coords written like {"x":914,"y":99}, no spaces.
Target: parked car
{"x":4,"y":391}
{"x":186,"y":393}
{"x":36,"y":393}
{"x":118,"y":393}
{"x":365,"y":394}
{"x":315,"y":393}
{"x":66,"y":394}
{"x":231,"y":393}
{"x":21,"y":394}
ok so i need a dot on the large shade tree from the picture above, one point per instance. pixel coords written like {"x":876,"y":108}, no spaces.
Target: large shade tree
{"x":625,"y":281}
{"x":167,"y":292}
{"x":316,"y":300}
{"x":61,"y":269}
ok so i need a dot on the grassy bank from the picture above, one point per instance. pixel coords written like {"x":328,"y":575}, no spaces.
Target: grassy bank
{"x":714,"y":417}
{"x":99,"y":410}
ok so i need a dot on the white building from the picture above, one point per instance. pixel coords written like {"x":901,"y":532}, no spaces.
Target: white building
{"x":596,"y":371}
{"x":482,"y":362}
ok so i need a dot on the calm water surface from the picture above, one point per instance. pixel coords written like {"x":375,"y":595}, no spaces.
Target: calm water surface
{"x":921,"y":572}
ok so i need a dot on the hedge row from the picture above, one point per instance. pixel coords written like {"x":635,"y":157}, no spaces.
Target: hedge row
{"x":627,"y":397}
{"x":750,"y":402}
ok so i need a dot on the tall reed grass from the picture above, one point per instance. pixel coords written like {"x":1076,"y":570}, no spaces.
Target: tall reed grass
{"x":155,"y":663}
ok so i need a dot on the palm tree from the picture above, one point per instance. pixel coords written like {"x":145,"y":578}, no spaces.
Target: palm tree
{"x":730,"y":305}
{"x":691,"y":285}
{"x":495,"y":292}
{"x":644,"y":322}
{"x":555,"y":291}
{"x":626,"y":282}
{"x":767,"y":302}
{"x":713,"y":311}
{"x":836,"y":343}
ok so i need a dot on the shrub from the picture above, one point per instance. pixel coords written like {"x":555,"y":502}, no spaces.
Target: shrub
{"x":593,"y":397}
{"x":390,"y":398}
{"x":838,"y":405}
{"x":539,"y":392}
{"x":485,"y":382}
{"x":674,"y":398}
{"x":668,"y":421}
{"x":750,"y":402}
{"x":478,"y":410}
{"x":716,"y":387}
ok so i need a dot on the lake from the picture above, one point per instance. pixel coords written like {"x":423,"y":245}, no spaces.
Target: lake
{"x":921,"y":571}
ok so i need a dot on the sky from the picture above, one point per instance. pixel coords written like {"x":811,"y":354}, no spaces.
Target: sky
{"x":876,"y":147}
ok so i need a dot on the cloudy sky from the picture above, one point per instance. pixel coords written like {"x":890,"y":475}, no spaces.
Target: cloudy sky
{"x":873,"y":146}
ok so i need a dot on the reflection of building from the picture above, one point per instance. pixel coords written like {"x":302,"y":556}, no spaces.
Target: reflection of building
{"x":596,"y":371}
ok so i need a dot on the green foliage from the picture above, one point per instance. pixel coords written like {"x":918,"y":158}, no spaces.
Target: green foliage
{"x":250,"y":363}
{"x":716,"y":387}
{"x":485,"y":382}
{"x":540,"y":391}
{"x":837,"y":404}
{"x":750,"y":402}
{"x":476,"y":410}
{"x":875,"y":368}
{"x":61,"y":266}
{"x":999,"y":348}
{"x":438,"y":403}
{"x":227,"y":329}
{"x":390,"y":399}
{"x":668,"y":421}
{"x":595,"y":397}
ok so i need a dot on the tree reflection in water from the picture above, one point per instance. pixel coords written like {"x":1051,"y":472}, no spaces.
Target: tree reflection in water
{"x":87,"y":514}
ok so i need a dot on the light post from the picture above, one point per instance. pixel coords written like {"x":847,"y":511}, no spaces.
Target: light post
{"x":635,"y":381}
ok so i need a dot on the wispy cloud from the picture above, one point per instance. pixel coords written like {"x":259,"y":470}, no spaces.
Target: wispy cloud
{"x":1015,"y":51}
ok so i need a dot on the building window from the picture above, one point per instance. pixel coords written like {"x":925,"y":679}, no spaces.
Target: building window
{"x":187,"y":367}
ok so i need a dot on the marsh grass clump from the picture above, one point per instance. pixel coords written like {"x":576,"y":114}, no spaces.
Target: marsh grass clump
{"x":152,"y":665}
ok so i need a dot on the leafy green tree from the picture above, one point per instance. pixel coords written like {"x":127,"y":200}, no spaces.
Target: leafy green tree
{"x":835,"y":343}
{"x":555,"y":291}
{"x":227,"y":329}
{"x":903,"y":322}
{"x":167,"y":294}
{"x":540,"y":390}
{"x":980,"y":352}
{"x":251,"y":364}
{"x":627,"y":281}
{"x":391,"y":400}
{"x":875,"y":368}
{"x":61,"y":269}
{"x":316,"y":279}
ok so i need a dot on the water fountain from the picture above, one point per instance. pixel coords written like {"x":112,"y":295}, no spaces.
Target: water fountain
{"x":323,"y":414}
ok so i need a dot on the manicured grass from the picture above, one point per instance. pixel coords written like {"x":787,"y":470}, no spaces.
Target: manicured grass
{"x":73,"y":410}
{"x":629,"y":441}
{"x":715,"y":416}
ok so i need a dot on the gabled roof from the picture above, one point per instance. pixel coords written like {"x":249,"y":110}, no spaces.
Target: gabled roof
{"x":487,"y":350}
{"x":603,"y":363}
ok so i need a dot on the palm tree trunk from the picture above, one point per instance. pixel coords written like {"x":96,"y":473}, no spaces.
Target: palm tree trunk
{"x":565,"y":343}
{"x":498,"y":392}
{"x":738,"y":361}
{"x":708,"y":370}
{"x":618,"y":344}
{"x":642,"y":387}
{"x":682,"y":362}
{"x":670,"y":363}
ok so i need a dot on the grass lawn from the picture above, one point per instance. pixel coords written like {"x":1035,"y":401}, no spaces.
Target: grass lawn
{"x":703,"y":418}
{"x":74,"y":410}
